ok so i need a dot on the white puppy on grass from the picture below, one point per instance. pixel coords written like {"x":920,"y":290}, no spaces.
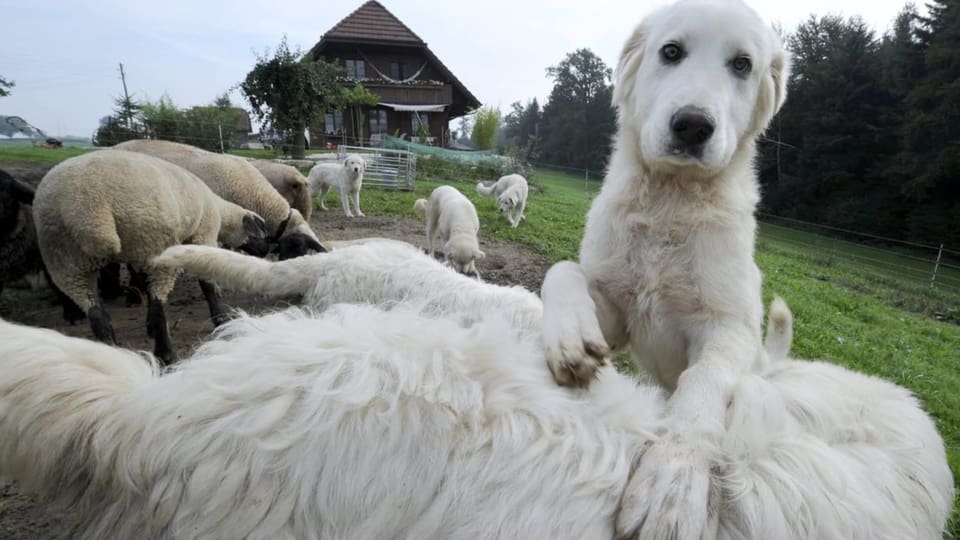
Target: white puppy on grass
{"x":666,"y":262}
{"x":357,"y":423}
{"x":347,"y":178}
{"x":511,"y":193}
{"x":453,"y":217}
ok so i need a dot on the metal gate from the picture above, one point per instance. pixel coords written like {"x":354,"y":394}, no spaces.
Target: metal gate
{"x":386,"y":168}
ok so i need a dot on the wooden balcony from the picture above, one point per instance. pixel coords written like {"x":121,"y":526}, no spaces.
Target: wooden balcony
{"x":407,"y":94}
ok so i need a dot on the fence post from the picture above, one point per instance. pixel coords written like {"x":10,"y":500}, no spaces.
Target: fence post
{"x":220,"y":130}
{"x":586,"y":180}
{"x":936,"y":265}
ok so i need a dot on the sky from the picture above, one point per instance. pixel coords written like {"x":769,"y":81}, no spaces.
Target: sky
{"x":64,"y":56}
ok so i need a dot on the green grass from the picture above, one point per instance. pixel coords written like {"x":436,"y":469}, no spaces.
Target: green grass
{"x":23,"y":153}
{"x":852,"y":305}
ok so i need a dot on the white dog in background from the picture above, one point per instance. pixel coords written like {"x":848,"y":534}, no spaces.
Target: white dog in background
{"x":453,"y":217}
{"x":511,"y":193}
{"x":348,"y":178}
{"x":666,"y":262}
{"x":357,"y":423}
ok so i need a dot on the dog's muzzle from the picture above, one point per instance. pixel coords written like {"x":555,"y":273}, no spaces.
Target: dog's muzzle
{"x":692,"y":127}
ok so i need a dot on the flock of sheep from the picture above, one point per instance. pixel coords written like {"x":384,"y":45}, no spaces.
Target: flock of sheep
{"x":125,"y":205}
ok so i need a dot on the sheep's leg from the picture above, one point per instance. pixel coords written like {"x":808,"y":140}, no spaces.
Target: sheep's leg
{"x":159,"y":329}
{"x":160,"y":283}
{"x":217,"y":314}
{"x":109,"y":281}
{"x":100,"y":324}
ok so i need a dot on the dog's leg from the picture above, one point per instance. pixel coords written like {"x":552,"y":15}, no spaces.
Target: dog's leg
{"x":433,"y":219}
{"x":670,"y":490}
{"x":579,"y":325}
{"x":324,"y":188}
{"x":345,"y":200}
{"x":356,"y":202}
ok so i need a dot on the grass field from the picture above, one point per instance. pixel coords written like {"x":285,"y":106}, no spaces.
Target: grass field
{"x":866,"y":316}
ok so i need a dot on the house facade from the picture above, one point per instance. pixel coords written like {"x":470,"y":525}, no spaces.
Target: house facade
{"x":418,"y":95}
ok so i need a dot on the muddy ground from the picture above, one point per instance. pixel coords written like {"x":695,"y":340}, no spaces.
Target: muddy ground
{"x":23,"y":517}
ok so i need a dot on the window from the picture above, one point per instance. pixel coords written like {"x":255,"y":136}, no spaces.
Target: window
{"x":378,"y":121}
{"x":335,"y":123}
{"x":417,"y":120}
{"x":398,"y":71}
{"x":355,"y":69}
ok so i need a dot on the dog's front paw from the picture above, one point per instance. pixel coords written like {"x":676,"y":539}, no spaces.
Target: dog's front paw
{"x":361,"y":214}
{"x":349,"y":214}
{"x":574,"y":346}
{"x":667,"y":496}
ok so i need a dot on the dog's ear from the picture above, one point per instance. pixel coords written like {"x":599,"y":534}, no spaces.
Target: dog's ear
{"x":479,"y":254}
{"x":625,"y":76}
{"x":773,"y":85}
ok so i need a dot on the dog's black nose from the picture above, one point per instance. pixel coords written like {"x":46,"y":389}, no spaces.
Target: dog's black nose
{"x":692,"y":126}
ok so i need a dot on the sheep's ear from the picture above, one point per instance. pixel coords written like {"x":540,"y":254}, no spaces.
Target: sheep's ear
{"x":314,"y":245}
{"x":22,"y":192}
{"x":254,"y":226}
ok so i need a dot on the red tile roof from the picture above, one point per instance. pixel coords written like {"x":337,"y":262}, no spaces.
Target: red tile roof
{"x":372,"y":21}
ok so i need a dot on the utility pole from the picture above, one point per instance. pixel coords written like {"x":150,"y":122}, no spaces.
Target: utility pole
{"x":126,"y":98}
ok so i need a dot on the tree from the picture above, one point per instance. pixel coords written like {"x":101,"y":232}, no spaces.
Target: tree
{"x":5,"y":86}
{"x":521,"y":129}
{"x":356,"y":99}
{"x":486,"y":125}
{"x":578,"y":120}
{"x":290,"y":92}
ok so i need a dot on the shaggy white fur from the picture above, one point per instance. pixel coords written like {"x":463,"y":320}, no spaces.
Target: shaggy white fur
{"x":666,"y":262}
{"x":375,"y":271}
{"x":452,"y":216}
{"x":359,"y":424}
{"x":347,"y":178}
{"x":511,"y":193}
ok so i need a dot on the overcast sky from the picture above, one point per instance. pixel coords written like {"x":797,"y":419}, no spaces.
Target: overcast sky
{"x":63,"y":56}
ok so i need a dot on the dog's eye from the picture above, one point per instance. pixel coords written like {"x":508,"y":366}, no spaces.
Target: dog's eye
{"x":671,"y":53}
{"x":741,"y":65}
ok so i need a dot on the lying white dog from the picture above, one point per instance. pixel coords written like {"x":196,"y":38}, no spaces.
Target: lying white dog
{"x":453,"y":217}
{"x":666,"y":262}
{"x":348,"y":178}
{"x":359,"y":424}
{"x":511,"y":193}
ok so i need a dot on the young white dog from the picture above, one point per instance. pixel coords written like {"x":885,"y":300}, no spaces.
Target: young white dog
{"x":666,"y":261}
{"x":453,"y":217}
{"x":511,"y":193}
{"x":359,"y":424}
{"x":348,"y":178}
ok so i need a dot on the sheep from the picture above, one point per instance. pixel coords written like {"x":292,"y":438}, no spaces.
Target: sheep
{"x":511,"y":193}
{"x":116,"y":206}
{"x":19,"y":253}
{"x":451,"y":215}
{"x":289,"y":182}
{"x":357,"y":423}
{"x":347,"y":178}
{"x":233,"y":179}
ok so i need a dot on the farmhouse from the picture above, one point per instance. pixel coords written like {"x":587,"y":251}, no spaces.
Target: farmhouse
{"x":418,"y":94}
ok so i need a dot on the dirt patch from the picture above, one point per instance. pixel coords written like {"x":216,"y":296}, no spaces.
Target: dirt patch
{"x":23,"y":517}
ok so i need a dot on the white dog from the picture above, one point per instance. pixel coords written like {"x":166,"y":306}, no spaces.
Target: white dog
{"x":348,"y":178}
{"x":452,"y":216}
{"x":511,"y":193}
{"x":359,"y":424}
{"x":666,"y":262}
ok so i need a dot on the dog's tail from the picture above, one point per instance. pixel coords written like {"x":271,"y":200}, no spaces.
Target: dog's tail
{"x":779,"y":329}
{"x":59,"y":403}
{"x":420,"y":206}
{"x":485,"y":190}
{"x":242,"y":272}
